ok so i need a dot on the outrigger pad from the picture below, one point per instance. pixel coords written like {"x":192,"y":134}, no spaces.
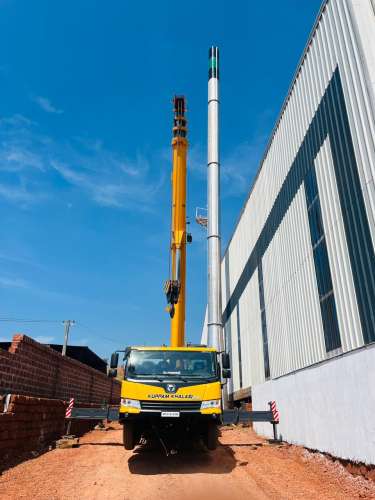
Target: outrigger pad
{"x":67,"y":442}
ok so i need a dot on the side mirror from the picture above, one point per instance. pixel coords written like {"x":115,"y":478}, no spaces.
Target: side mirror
{"x":114,"y":360}
{"x":226,"y":373}
{"x":112,"y":373}
{"x":225,"y":360}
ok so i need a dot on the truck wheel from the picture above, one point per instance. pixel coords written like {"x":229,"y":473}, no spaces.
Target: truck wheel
{"x":128,"y":436}
{"x":212,"y":436}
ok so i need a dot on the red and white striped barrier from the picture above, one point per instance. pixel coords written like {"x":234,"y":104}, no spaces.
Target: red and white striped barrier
{"x":69,"y":409}
{"x":275,"y":412}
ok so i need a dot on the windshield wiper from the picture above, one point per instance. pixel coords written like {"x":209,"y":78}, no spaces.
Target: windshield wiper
{"x":149,"y":375}
{"x":183,"y":378}
{"x":166,"y":378}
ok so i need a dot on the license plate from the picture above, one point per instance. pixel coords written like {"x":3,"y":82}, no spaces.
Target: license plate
{"x":170,"y":414}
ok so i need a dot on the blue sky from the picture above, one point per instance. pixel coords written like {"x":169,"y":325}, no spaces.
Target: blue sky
{"x":85,"y":130}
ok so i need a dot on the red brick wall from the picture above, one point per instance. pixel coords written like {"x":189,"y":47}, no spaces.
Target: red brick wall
{"x":32,"y":369}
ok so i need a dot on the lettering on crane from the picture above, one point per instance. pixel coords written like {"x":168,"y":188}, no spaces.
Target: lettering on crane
{"x":172,"y":396}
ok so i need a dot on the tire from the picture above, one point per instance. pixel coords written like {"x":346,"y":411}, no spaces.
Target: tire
{"x":212,"y":436}
{"x":128,"y":436}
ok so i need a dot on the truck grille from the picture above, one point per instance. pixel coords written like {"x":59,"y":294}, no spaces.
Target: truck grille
{"x":171,"y":405}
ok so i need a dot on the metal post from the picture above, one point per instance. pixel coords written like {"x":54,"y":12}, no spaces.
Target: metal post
{"x":67,"y":324}
{"x":214,"y":323}
{"x":274,"y":423}
{"x":6,"y":400}
{"x":68,"y":428}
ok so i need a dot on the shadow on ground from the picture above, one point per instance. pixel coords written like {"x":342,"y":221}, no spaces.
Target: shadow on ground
{"x":151,"y":460}
{"x":101,"y":444}
{"x":246,"y":445}
{"x":8,"y":462}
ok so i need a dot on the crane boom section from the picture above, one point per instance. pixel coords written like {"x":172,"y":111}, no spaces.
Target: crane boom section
{"x":178,"y":224}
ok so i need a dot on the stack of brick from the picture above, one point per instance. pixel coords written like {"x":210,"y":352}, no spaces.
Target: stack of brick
{"x":33,"y":369}
{"x":30,"y":423}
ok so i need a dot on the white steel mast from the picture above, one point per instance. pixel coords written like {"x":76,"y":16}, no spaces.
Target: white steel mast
{"x":214,"y":321}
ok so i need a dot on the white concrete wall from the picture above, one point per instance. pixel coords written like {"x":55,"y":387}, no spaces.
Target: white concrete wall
{"x":328,"y":407}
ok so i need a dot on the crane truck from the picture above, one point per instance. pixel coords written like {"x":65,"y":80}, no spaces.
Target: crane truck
{"x":173,"y":392}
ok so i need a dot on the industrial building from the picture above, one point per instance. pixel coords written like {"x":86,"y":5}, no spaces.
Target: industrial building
{"x":298,"y":275}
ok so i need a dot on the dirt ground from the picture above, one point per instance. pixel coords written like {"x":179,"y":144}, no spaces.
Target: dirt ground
{"x":245,"y":466}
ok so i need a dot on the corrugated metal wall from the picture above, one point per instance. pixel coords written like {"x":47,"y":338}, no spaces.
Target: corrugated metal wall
{"x":327,"y":124}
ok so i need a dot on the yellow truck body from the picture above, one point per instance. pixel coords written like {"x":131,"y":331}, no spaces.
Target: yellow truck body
{"x":171,"y":391}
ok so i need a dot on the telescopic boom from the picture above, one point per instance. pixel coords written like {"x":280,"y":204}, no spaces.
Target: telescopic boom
{"x":175,"y":286}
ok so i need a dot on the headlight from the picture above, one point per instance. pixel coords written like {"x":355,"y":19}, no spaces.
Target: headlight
{"x":132,"y":403}
{"x":211,"y":403}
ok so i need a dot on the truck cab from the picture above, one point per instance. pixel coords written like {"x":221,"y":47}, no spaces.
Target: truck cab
{"x":171,"y":393}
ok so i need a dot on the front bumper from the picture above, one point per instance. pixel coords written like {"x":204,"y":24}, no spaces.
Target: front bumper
{"x":156,"y":407}
{"x":155,"y":417}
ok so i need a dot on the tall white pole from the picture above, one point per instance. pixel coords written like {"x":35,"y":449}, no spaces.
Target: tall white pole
{"x":214,"y":322}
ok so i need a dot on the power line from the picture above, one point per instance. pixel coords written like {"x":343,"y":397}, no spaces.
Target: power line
{"x":25,"y":320}
{"x":95,"y":334}
{"x":77,"y":323}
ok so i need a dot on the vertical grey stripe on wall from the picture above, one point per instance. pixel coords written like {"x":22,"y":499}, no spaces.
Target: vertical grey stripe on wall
{"x":239,"y":344}
{"x":321,"y":263}
{"x":227,"y":325}
{"x":263,"y":318}
{"x":331,"y":119}
{"x":357,"y":230}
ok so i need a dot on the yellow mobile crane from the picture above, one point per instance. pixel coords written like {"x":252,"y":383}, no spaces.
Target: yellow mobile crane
{"x":173,"y":391}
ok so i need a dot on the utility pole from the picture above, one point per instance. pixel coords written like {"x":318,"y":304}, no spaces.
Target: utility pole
{"x":67,"y":324}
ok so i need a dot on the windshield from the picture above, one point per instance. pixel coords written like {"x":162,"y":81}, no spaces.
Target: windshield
{"x":167,"y":364}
